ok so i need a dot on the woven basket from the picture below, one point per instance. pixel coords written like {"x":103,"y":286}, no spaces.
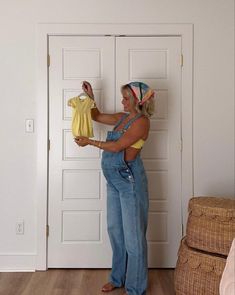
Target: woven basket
{"x":197,"y":273}
{"x":211,"y":224}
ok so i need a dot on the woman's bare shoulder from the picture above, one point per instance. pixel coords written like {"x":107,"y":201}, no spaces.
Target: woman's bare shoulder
{"x":143,"y":120}
{"x":142,"y":126}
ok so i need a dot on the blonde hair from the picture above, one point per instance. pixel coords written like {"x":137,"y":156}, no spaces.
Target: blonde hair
{"x":147,"y":109}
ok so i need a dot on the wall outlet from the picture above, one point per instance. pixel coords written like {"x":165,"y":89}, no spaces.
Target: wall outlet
{"x":20,"y":227}
{"x":29,"y":125}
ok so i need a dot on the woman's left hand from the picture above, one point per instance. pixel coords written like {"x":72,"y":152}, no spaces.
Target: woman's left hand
{"x":82,"y":140}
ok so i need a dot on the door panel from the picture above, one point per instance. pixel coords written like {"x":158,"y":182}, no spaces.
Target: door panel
{"x":156,"y":61}
{"x":77,"y":190}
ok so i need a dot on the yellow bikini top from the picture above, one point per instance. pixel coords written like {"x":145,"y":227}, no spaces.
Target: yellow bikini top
{"x":138,"y":144}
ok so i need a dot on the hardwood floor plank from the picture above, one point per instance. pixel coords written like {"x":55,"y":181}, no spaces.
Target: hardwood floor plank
{"x":14,"y":283}
{"x":77,"y":282}
{"x":41,"y":283}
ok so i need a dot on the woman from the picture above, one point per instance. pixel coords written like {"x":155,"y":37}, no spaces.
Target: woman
{"x":127,"y":194}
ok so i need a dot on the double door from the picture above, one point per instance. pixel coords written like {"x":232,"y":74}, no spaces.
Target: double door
{"x":77,"y":189}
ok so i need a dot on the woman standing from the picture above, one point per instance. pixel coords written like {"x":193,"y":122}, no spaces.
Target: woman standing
{"x":127,"y":193}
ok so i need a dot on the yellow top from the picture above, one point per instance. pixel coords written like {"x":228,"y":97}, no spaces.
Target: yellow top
{"x":81,"y":117}
{"x":138,"y":144}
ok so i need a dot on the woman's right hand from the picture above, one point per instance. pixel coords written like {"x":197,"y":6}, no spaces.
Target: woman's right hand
{"x":86,"y":87}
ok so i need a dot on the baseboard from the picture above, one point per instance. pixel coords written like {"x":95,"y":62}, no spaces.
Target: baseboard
{"x":17,"y":262}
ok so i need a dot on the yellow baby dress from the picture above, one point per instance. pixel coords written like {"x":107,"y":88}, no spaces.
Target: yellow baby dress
{"x":81,"y":116}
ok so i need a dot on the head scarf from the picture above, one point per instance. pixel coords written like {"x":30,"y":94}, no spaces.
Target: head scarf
{"x":141,"y":91}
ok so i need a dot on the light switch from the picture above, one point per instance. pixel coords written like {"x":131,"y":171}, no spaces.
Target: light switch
{"x":29,"y":125}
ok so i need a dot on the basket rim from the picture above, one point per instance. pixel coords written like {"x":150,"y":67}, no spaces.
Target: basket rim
{"x":212,"y":206}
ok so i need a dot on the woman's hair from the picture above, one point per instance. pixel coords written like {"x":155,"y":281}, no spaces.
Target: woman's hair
{"x":146,"y":109}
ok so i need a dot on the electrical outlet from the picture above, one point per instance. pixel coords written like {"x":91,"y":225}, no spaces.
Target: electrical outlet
{"x":29,"y":125}
{"x":20,"y":227}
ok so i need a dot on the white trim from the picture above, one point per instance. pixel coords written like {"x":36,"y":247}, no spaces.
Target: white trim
{"x":16,"y":270}
{"x":45,"y":30}
{"x":15,"y":262}
{"x":17,"y":254}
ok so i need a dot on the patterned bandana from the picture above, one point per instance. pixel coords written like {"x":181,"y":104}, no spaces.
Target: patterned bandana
{"x":141,"y":91}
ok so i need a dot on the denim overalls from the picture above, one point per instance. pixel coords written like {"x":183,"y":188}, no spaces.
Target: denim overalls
{"x":127,"y":216}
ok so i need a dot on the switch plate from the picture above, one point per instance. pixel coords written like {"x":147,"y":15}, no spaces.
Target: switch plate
{"x":20,"y":227}
{"x":29,"y":125}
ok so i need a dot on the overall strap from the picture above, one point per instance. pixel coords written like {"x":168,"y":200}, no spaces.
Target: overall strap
{"x":120,"y":121}
{"x":131,"y":121}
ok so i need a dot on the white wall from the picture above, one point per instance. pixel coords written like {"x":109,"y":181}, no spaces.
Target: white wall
{"x":213,"y":95}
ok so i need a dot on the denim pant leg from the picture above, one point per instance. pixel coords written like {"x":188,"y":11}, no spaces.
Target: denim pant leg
{"x":116,"y":236}
{"x":134,"y":214}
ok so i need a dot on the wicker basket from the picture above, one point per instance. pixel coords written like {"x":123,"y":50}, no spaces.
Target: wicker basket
{"x":197,"y":273}
{"x":211,"y":224}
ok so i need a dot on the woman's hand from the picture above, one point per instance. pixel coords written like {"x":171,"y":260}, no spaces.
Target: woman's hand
{"x":86,"y":87}
{"x":82,"y":140}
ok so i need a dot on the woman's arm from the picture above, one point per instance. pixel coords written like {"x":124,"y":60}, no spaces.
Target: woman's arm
{"x":109,"y":119}
{"x":139,"y":129}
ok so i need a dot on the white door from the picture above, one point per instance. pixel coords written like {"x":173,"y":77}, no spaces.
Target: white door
{"x":77,"y":195}
{"x":157,"y":62}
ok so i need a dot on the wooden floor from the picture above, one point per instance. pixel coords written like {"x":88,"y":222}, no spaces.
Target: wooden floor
{"x":76,"y":282}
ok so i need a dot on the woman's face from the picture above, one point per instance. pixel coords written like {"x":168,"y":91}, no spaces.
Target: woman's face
{"x":127,"y":105}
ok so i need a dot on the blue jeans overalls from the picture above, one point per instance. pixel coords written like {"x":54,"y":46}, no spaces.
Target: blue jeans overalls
{"x":127,"y":216}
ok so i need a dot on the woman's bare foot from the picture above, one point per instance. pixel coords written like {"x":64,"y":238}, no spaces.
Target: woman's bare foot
{"x":108,"y":287}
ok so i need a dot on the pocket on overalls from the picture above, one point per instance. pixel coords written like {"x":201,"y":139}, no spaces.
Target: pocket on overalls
{"x":126,"y":174}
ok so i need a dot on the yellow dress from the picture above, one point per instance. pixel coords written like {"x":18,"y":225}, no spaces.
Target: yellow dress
{"x":81,"y":116}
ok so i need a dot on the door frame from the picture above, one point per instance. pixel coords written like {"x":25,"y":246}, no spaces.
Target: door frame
{"x":44,"y":31}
